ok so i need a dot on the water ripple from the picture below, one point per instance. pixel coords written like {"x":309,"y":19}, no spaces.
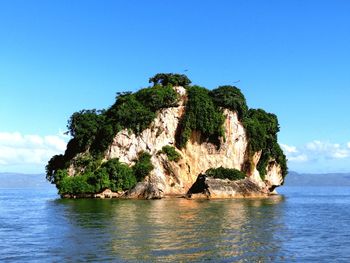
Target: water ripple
{"x":305,"y":226}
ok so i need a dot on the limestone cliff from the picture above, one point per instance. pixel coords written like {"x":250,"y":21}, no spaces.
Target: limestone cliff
{"x":176,"y":178}
{"x":171,"y":139}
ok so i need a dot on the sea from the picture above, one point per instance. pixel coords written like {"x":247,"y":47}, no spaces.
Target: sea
{"x":302,"y":224}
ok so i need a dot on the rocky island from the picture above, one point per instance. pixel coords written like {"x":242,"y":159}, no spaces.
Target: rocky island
{"x":171,"y":139}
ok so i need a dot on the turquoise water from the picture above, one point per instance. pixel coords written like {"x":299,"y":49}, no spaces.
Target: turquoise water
{"x":301,"y":225}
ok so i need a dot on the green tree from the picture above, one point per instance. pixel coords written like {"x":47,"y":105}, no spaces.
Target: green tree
{"x":225,"y":173}
{"x":83,"y":126}
{"x":121,"y":176}
{"x":99,"y":179}
{"x":169,"y":78}
{"x":130,"y":113}
{"x":157,"y":97}
{"x":230,"y":97}
{"x":76,"y":185}
{"x":201,"y":115}
{"x":262,"y":129}
{"x":143,"y":166}
{"x":57,"y":162}
{"x":103,"y":138}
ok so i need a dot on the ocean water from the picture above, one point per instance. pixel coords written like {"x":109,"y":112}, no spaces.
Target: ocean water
{"x":301,"y":225}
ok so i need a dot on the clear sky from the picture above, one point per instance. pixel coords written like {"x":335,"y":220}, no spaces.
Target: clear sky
{"x":291,"y":58}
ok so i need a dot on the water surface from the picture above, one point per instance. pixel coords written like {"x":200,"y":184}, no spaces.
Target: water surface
{"x":301,"y":225}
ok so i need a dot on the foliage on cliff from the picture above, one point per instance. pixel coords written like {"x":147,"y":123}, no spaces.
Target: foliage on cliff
{"x":262,"y":129}
{"x":201,"y":115}
{"x":230,"y":97}
{"x":95,"y":175}
{"x":143,"y":166}
{"x":225,"y":173}
{"x":93,"y":132}
{"x":171,"y":153}
{"x":134,"y":111}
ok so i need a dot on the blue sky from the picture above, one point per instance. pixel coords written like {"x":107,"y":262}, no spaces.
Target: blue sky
{"x":291,"y":57}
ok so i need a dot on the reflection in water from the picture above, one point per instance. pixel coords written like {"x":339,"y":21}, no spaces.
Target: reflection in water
{"x":173,"y":229}
{"x":310,"y":225}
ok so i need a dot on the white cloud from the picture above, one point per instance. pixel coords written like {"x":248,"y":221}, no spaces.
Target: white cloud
{"x":289,"y":149}
{"x":328,"y":150}
{"x":17,"y":149}
{"x":318,"y":155}
{"x":293,"y":154}
{"x":11,"y":139}
{"x":298,"y":158}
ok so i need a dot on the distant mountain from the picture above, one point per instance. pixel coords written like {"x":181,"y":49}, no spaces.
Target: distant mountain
{"x":327,"y":179}
{"x":18,"y":180}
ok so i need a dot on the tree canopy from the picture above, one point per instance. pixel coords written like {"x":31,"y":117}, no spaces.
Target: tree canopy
{"x":262,"y":129}
{"x":230,"y":97}
{"x":201,"y":115}
{"x":169,"y":78}
{"x":83,"y":126}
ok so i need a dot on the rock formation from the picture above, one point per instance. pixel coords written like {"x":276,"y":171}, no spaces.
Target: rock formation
{"x":162,"y":140}
{"x":171,"y":178}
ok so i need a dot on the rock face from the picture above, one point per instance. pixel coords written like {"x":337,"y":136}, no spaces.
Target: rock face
{"x":273,"y":177}
{"x":176,"y":178}
{"x":207,"y":187}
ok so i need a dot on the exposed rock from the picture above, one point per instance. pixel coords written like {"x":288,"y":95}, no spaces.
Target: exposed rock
{"x":273,"y":178}
{"x":254,"y":173}
{"x":107,"y":193}
{"x":208,"y":187}
{"x":147,"y":190}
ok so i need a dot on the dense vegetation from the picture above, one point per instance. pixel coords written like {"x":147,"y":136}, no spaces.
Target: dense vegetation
{"x":230,"y":97}
{"x":171,"y":153}
{"x":93,"y":131}
{"x":83,"y":127}
{"x":143,"y":166}
{"x":95,"y":175}
{"x":134,"y":111}
{"x":225,"y":173}
{"x":201,"y":115}
{"x":262,"y":129}
{"x":170,"y":78}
